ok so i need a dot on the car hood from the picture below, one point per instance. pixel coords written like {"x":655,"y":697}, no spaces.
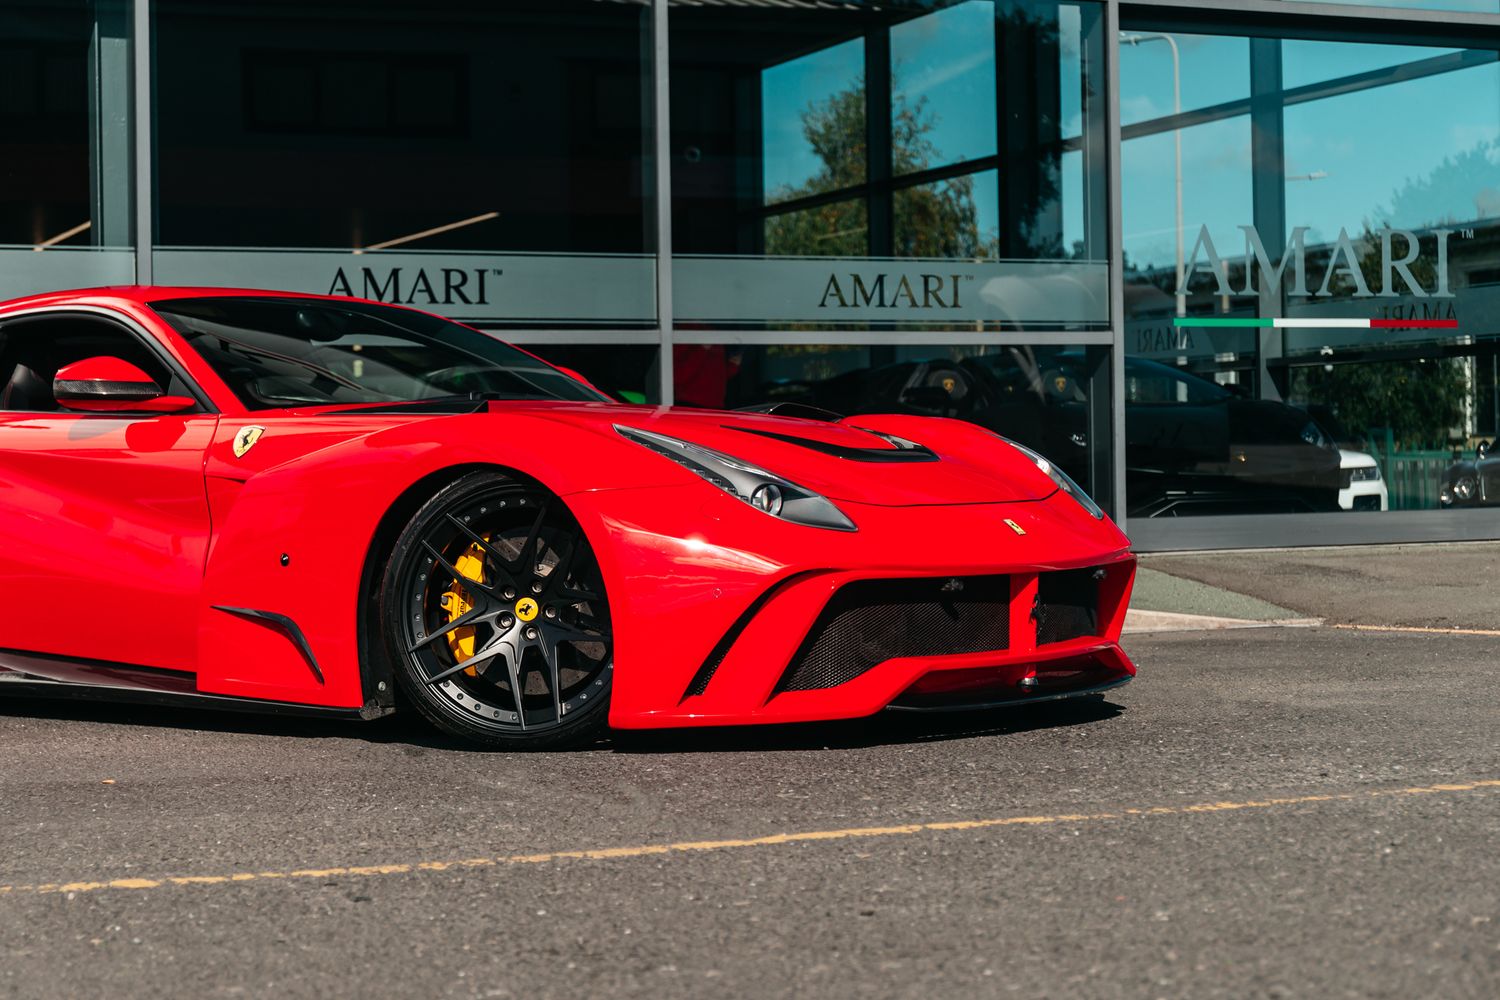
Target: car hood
{"x":850,"y":460}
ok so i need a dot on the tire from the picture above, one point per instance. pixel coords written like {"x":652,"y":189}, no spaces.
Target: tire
{"x":492,"y":589}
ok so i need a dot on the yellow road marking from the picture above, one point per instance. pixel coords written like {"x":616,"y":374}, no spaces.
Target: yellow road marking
{"x":1419,"y":630}
{"x":771,"y":840}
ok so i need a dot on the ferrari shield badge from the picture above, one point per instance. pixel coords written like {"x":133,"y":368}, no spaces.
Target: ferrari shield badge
{"x":1015,"y":527}
{"x":246,"y":438}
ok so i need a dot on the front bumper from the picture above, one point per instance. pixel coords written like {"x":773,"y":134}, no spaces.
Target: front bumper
{"x":717,"y":608}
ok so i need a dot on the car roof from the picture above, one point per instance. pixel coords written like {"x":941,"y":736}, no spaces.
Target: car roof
{"x":145,"y":294}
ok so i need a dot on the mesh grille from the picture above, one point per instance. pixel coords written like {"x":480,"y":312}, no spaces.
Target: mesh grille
{"x":871,"y":621}
{"x":1067,"y":606}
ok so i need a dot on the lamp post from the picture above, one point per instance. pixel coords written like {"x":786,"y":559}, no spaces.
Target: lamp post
{"x":1137,"y":39}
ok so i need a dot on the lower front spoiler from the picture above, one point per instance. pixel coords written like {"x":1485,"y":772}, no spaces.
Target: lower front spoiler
{"x":1011,"y":678}
{"x":1034,"y":699}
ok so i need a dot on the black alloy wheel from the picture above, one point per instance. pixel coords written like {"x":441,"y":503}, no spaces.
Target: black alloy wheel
{"x":494,"y":610}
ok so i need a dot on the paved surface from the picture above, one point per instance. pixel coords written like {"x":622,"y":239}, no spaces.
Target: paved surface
{"x":1323,"y":874}
{"x":1412,"y":585}
{"x":1158,"y":591}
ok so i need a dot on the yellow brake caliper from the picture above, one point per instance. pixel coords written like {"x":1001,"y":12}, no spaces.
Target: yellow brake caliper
{"x":456,"y":604}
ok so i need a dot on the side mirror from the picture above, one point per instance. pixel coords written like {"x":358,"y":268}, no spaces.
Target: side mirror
{"x":111,"y":385}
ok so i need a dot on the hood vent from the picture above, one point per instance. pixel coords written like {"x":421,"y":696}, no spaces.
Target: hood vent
{"x":904,"y":452}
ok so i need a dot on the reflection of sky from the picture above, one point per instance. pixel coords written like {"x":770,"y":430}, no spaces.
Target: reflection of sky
{"x":1214,"y":70}
{"x":786,"y":91}
{"x":1215,"y":190}
{"x":1368,"y":143}
{"x":948,"y":58}
{"x":1304,"y":62}
{"x":1365,"y":168}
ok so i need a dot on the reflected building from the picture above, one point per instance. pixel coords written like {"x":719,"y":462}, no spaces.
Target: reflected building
{"x":1200,"y":255}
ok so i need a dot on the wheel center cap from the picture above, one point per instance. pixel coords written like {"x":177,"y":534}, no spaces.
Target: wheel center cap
{"x":526,"y":609}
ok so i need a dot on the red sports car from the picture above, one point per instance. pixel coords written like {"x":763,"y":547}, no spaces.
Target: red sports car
{"x":293,"y":503}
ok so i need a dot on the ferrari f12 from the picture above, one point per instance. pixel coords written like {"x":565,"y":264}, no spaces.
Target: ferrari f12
{"x":292,"y":503}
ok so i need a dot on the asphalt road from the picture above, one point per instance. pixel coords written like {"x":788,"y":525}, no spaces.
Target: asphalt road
{"x":1425,"y":586}
{"x":1322,"y":874}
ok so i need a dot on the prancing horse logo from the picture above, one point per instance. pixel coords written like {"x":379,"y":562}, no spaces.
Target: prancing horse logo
{"x":246,"y":438}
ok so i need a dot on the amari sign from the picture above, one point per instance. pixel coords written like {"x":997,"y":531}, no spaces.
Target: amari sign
{"x":559,"y":289}
{"x":545,"y":289}
{"x":1391,"y":257}
{"x":878,"y":292}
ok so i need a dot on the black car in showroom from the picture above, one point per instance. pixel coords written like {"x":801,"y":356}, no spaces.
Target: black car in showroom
{"x":1191,"y":446}
{"x":1473,"y":482}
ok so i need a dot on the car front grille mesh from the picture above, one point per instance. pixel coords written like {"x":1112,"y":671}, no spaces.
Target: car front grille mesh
{"x":1067,"y":605}
{"x":870,"y":621}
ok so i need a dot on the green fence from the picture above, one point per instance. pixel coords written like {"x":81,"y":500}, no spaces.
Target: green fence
{"x":1413,"y":477}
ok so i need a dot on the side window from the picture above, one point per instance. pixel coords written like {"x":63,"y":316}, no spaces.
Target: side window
{"x":32,"y":350}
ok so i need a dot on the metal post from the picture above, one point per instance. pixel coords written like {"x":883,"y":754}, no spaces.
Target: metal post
{"x":145,"y":159}
{"x":109,"y":126}
{"x":878,"y":168}
{"x":663,"y":155}
{"x":1268,"y":192}
{"x":1116,"y":258}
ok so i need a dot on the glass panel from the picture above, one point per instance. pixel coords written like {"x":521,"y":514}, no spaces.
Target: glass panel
{"x":628,"y":372}
{"x":1304,"y":62}
{"x":1334,"y":344}
{"x":838,"y":229}
{"x":1039,"y":396}
{"x":1216,"y":193}
{"x":65,"y":167}
{"x":487,"y":160}
{"x":943,"y":87}
{"x":950,"y":218}
{"x":814,"y":110}
{"x":1155,"y":68}
{"x":870,"y":132}
{"x":1452,"y":175}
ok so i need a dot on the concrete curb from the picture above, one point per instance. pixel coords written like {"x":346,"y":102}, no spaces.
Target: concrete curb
{"x":1137,"y":621}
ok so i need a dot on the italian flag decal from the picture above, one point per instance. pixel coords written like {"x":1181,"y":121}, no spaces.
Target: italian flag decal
{"x":1315,"y":324}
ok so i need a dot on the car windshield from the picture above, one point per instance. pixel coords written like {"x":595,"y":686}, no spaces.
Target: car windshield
{"x":280,"y":352}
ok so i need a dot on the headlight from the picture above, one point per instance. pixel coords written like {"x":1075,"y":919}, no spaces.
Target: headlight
{"x":1365,"y":474}
{"x":1058,"y":476}
{"x":765,"y":491}
{"x":1463,"y":488}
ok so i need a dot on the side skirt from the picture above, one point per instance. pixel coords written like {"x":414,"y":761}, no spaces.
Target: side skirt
{"x":24,"y":674}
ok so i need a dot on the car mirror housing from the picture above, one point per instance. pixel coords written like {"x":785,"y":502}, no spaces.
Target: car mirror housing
{"x":113,"y":385}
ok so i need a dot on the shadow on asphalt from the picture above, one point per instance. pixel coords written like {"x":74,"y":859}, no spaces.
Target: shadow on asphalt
{"x":409,"y":729}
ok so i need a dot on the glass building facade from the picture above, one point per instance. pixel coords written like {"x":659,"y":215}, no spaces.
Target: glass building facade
{"x":1235,"y":266}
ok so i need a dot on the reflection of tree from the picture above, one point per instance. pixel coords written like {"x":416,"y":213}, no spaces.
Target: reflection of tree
{"x":941,"y":219}
{"x":932,"y":220}
{"x":1420,"y":400}
{"x":1429,"y":201}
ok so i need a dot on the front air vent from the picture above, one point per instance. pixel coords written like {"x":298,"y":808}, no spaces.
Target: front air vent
{"x":870,"y":621}
{"x":1067,"y":605}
